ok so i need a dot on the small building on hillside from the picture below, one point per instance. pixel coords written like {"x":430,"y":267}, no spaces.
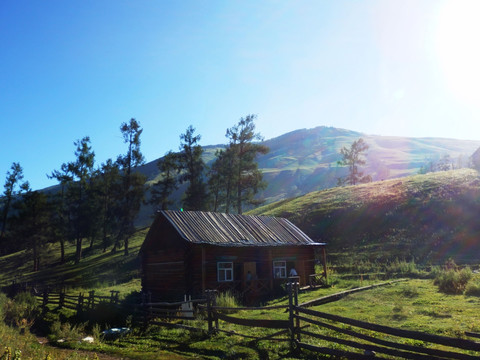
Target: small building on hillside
{"x":188,"y":252}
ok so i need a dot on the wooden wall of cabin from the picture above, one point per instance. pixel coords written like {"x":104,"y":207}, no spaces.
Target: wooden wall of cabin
{"x":205,"y":277}
{"x":163,"y":262}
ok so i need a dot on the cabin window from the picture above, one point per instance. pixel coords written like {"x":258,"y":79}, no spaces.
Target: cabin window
{"x":279,"y":269}
{"x":225,"y":271}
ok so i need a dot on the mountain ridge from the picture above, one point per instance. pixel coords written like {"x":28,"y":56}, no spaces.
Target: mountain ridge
{"x":305,"y":160}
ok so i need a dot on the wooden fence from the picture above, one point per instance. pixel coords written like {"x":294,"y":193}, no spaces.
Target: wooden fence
{"x":299,"y":325}
{"x":78,"y":302}
{"x":313,"y":330}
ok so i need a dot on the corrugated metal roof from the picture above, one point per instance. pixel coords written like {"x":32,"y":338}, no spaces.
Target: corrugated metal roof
{"x":235,"y":230}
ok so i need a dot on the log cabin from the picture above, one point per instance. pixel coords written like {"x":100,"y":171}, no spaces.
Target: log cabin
{"x":188,"y":252}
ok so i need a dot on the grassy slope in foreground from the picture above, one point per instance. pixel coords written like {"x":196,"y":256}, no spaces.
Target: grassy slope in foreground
{"x":428,"y":218}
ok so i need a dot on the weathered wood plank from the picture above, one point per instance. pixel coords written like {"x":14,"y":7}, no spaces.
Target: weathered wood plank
{"x":423,"y":350}
{"x":417,"y":335}
{"x":370,"y":347}
{"x":269,"y":324}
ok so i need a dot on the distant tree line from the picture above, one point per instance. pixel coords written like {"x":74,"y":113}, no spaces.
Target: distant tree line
{"x":445,"y":163}
{"x":98,"y":204}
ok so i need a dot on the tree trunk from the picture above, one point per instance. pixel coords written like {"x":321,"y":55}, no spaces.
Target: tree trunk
{"x":62,"y":250}
{"x":35,"y":255}
{"x":126,"y":246}
{"x":78,"y":251}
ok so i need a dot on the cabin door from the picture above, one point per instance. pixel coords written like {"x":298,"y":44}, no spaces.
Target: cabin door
{"x":249,"y":271}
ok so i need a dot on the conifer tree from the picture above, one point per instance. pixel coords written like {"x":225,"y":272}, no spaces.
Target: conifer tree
{"x":132,"y":184}
{"x":107,"y":185}
{"x":168,"y":183}
{"x":32,"y":223}
{"x":193,"y":167}
{"x":79,"y":206}
{"x":247,"y":177}
{"x":12,"y":188}
{"x":353,"y":157}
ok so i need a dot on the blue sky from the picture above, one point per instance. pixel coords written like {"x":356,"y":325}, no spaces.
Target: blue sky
{"x":69,"y":69}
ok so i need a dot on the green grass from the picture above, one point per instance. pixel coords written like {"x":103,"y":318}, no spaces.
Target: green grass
{"x":97,"y":270}
{"x":373,"y":232}
{"x":413,"y":305}
{"x":428,"y":218}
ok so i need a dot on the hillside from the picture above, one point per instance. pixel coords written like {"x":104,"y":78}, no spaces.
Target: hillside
{"x":305,"y":160}
{"x":429,"y":218}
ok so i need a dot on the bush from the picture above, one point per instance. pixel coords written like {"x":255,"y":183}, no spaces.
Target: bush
{"x":453,"y":281}
{"x":22,"y":311}
{"x":66,"y":332}
{"x":3,"y":301}
{"x":435,"y":271}
{"x":227,"y":299}
{"x":473,"y":288}
{"x":409,"y":291}
{"x":402,"y":267}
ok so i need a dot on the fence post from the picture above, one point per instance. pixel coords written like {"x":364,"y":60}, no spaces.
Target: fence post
{"x":290,"y":316}
{"x":295,"y":302}
{"x":61,"y":301}
{"x":209,"y":311}
{"x":114,"y":296}
{"x":80,"y":303}
{"x":146,"y":308}
{"x":45,"y":299}
{"x":91,"y":299}
{"x":214,"y":303}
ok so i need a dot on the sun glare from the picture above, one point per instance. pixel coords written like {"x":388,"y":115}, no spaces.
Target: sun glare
{"x":458,"y":48}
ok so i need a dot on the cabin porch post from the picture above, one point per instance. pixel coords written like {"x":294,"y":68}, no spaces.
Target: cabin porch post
{"x":204,"y":272}
{"x":324,"y":255}
{"x":270,"y":266}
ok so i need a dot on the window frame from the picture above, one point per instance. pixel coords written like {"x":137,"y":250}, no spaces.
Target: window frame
{"x":225,"y":270}
{"x":280,"y":265}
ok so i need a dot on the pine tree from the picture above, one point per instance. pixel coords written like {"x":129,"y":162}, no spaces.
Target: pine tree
{"x":168,"y":183}
{"x":32,"y":223}
{"x":107,"y":185}
{"x":12,"y":188}
{"x":246,"y":175}
{"x":132,"y":187}
{"x":221,"y":180}
{"x":193,"y":167}
{"x":78,"y":204}
{"x":353,"y":157}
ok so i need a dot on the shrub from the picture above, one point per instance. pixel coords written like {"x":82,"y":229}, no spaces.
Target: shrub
{"x":435,"y":271}
{"x":66,"y":331}
{"x":227,"y":299}
{"x":22,"y":311}
{"x":473,"y":288}
{"x":409,"y":291}
{"x":402,"y":267}
{"x":452,"y":281}
{"x":3,"y":301}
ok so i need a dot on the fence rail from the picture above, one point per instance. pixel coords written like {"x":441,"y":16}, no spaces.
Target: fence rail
{"x":73,"y":302}
{"x":301,"y":326}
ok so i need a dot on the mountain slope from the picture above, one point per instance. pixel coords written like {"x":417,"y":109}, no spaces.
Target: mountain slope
{"x":305,"y":160}
{"x":426,"y":217}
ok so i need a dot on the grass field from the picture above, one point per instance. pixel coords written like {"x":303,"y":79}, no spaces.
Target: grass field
{"x":414,"y":304}
{"x":386,"y":217}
